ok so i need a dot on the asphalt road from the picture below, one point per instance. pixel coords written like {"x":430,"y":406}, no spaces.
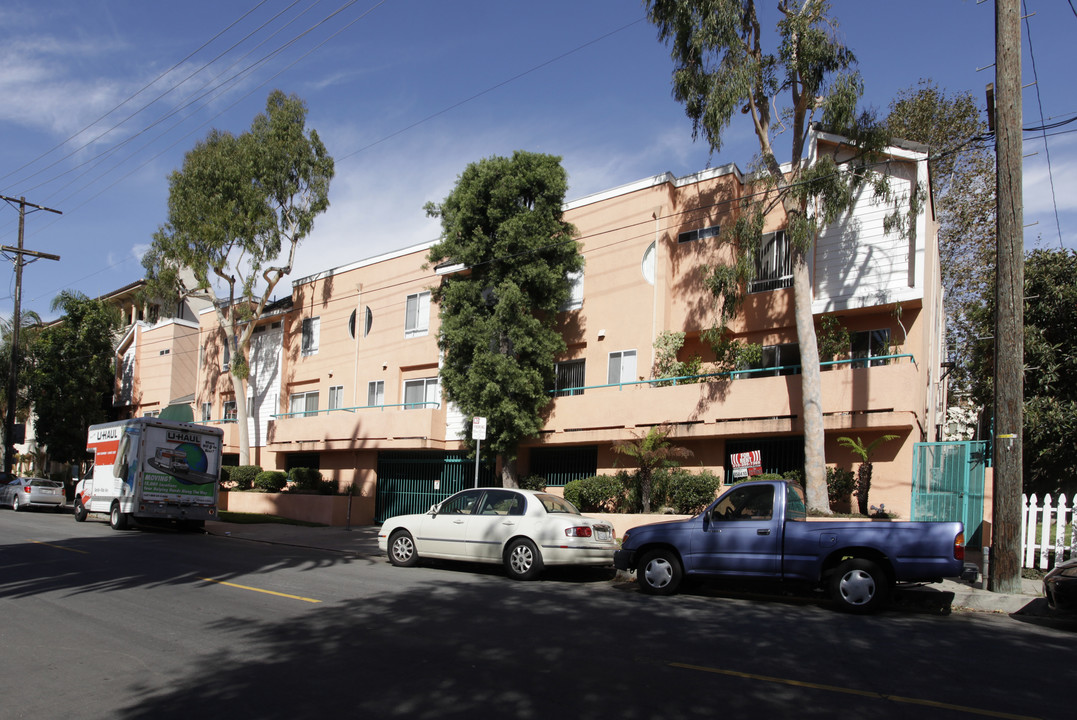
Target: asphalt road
{"x":161,"y":624}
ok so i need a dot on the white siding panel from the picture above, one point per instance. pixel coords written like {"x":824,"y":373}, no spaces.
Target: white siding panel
{"x":858,"y":264}
{"x":264,"y":383}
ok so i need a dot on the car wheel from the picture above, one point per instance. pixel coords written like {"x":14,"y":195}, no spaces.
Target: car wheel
{"x":859,"y":586}
{"x":402,"y":549}
{"x":80,"y":511}
{"x":15,"y":504}
{"x":522,"y":560}
{"x":116,"y":519}
{"x":659,"y":572}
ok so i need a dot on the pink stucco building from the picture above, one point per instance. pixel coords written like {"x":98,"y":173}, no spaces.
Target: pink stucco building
{"x":344,"y":372}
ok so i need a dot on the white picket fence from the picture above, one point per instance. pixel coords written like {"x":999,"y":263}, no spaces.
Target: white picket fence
{"x":1056,"y":519}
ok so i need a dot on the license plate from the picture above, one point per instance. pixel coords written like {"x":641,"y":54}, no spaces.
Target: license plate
{"x":603,"y":533}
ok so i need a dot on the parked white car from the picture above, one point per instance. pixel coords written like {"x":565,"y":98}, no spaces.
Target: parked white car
{"x":523,"y":529}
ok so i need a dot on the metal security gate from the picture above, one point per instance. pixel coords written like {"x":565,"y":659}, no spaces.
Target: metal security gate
{"x":562,"y":465}
{"x":410,"y":482}
{"x":779,"y":455}
{"x":948,"y":484}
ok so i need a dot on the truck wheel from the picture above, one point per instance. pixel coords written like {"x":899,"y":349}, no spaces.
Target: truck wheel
{"x":859,"y":586}
{"x":402,"y":549}
{"x":522,"y":560}
{"x":80,"y":511}
{"x":116,"y":519}
{"x":659,"y":572}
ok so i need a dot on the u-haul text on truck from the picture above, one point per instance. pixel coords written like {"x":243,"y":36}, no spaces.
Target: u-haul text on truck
{"x":149,"y":470}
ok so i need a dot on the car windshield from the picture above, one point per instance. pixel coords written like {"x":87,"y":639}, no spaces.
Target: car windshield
{"x":554,"y":504}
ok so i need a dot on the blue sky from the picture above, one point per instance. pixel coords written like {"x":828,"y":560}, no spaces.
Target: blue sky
{"x":405,"y":93}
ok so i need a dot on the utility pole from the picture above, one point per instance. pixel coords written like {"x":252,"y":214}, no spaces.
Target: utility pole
{"x":1005,"y":576}
{"x":13,"y":371}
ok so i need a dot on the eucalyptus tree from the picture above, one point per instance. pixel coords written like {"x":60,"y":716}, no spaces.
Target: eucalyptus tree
{"x":237,"y":212}
{"x":722,"y":71}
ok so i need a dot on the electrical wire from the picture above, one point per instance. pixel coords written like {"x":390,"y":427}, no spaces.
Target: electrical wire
{"x":1039,"y":101}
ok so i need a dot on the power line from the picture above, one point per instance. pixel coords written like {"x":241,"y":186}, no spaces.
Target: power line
{"x":1039,"y":101}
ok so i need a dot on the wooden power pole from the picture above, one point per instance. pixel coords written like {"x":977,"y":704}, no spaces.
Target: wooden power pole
{"x":16,"y":320}
{"x":1005,"y":573}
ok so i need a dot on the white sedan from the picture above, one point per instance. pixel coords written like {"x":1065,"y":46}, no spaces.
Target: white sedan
{"x":524,"y":529}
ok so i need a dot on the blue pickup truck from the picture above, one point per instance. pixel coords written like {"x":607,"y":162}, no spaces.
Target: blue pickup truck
{"x":761,"y":530}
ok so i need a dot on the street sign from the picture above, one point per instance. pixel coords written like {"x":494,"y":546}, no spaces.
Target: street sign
{"x":478,"y":428}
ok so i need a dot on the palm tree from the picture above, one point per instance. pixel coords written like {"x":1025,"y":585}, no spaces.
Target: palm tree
{"x":863,"y":473}
{"x":652,"y":451}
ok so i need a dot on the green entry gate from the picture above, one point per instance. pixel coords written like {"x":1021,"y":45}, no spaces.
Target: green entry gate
{"x":412,"y":481}
{"x":948,"y":484}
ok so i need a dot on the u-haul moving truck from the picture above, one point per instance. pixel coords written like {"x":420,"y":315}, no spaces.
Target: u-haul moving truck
{"x":147,"y":470}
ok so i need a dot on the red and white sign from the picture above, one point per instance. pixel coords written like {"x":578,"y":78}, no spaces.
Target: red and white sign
{"x":746,"y":464}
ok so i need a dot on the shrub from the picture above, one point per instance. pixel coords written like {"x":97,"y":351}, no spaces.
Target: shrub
{"x":270,"y":481}
{"x":839,"y":485}
{"x":689,"y":493}
{"x":242,"y":476}
{"x":532,"y":482}
{"x":305,"y":479}
{"x":601,"y":493}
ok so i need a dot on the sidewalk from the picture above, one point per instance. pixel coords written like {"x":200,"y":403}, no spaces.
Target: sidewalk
{"x":362,"y":541}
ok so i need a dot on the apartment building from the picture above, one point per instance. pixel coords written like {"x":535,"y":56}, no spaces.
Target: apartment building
{"x":344,"y":372}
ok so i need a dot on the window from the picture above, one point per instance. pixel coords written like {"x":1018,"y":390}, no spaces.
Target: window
{"x":700,"y":234}
{"x":305,"y":404}
{"x":417,"y":315}
{"x":351,"y":324}
{"x":870,"y":344}
{"x":166,"y":351}
{"x":336,"y":397}
{"x":207,"y":412}
{"x":622,"y":368}
{"x":568,"y":375}
{"x":575,"y":298}
{"x":461,"y":503}
{"x":784,"y":359}
{"x":311,"y":331}
{"x":230,"y":413}
{"x":747,"y":503}
{"x":419,"y":394}
{"x":773,"y":264}
{"x":502,"y":502}
{"x":375,"y":393}
{"x":227,"y":353}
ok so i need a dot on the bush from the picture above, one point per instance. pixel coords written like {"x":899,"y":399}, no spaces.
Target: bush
{"x":532,"y":482}
{"x":601,"y":493}
{"x":270,"y":481}
{"x":304,"y":479}
{"x":688,"y":493}
{"x":309,"y":481}
{"x":839,"y":485}
{"x":242,"y":476}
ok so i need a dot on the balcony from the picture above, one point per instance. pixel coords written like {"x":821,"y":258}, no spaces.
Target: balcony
{"x":742,"y":403}
{"x":378,"y":426}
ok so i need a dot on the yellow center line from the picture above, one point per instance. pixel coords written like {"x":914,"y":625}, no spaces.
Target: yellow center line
{"x":267,"y":592}
{"x":58,"y":547}
{"x":852,"y":691}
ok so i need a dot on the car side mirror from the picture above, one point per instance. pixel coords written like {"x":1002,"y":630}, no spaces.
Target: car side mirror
{"x":434,"y":509}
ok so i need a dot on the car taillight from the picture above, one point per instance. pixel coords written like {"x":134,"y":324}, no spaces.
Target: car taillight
{"x":26,"y":489}
{"x":959,"y":546}
{"x":578,"y":531}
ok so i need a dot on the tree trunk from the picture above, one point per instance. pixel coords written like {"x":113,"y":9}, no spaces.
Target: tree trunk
{"x":240,"y":388}
{"x":811,"y":388}
{"x":508,"y":473}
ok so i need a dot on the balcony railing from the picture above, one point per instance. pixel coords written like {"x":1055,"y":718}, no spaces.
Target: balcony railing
{"x":735,"y":374}
{"x":313,"y":413}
